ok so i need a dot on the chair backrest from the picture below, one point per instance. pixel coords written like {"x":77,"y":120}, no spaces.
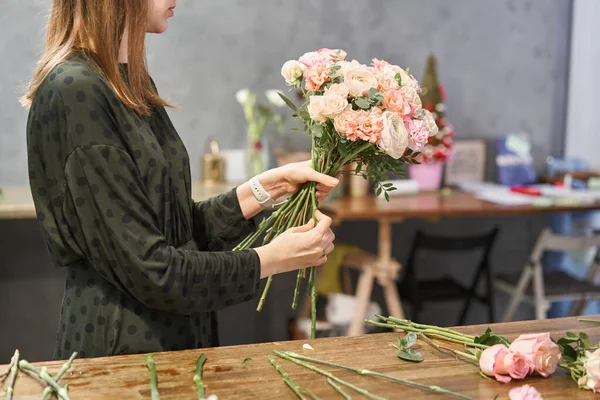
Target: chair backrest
{"x":424,"y":241}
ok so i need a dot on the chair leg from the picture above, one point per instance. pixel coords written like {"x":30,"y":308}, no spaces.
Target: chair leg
{"x":490,"y":295}
{"x":470,"y":294}
{"x":541,"y":304}
{"x":363,"y":296}
{"x":517,"y":293}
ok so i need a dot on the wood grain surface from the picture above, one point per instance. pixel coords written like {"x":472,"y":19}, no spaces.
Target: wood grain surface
{"x":126,"y":377}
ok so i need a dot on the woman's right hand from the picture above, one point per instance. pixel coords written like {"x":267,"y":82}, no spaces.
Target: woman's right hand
{"x":298,"y":248}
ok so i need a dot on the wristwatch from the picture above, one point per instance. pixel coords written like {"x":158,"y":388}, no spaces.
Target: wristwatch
{"x":264,"y":198}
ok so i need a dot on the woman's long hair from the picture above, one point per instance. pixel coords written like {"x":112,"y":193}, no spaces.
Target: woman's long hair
{"x":95,"y":29}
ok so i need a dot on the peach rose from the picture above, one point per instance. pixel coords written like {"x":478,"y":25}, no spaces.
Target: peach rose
{"x":292,"y":71}
{"x":591,"y":380}
{"x":524,"y":392}
{"x":499,"y":362}
{"x":315,"y":108}
{"x":393,"y":100}
{"x":394,"y":137}
{"x":323,"y":55}
{"x":317,"y":75}
{"x":385,"y":74}
{"x":359,"y":79}
{"x":418,"y":135}
{"x":541,"y":352}
{"x":339,"y":89}
{"x":360,"y":124}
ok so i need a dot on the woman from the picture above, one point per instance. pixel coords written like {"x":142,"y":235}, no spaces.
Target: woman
{"x":110,"y":177}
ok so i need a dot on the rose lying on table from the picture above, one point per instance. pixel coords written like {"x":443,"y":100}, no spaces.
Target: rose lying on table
{"x":497,"y":357}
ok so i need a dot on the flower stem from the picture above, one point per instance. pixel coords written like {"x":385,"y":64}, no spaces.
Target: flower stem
{"x":313,"y":272}
{"x":362,"y":391}
{"x":339,"y":389}
{"x":365,"y":372}
{"x":153,"y":377}
{"x":43,"y":373}
{"x":423,"y":326}
{"x":60,"y":374}
{"x":597,"y":321}
{"x":198,"y":376}
{"x":14,"y":368}
{"x":288,"y":381}
{"x":470,"y":357}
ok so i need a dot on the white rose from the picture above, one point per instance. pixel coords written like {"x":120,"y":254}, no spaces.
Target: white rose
{"x":359,"y":80}
{"x":394,"y":137}
{"x":315,"y":108}
{"x":242,"y":96}
{"x":430,"y":124}
{"x":407,"y":80}
{"x":334,"y":104}
{"x":274,"y":98}
{"x":292,"y":71}
{"x":339,"y":89}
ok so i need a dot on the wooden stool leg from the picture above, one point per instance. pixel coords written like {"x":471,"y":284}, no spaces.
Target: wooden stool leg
{"x":541,"y":304}
{"x":363,"y":296}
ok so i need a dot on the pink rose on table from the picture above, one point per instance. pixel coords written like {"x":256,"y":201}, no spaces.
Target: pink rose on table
{"x":418,"y":134}
{"x":394,"y":100}
{"x":502,"y":364}
{"x":317,"y":75}
{"x":524,"y":392}
{"x":541,"y":352}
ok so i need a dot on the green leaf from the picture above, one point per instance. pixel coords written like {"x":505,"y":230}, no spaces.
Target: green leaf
{"x":408,"y":341}
{"x":569,"y":352}
{"x":387,"y":196}
{"x":287,"y":101}
{"x":408,"y":152}
{"x":398,"y":342}
{"x":358,"y":167}
{"x":585,"y":340}
{"x":571,"y":335}
{"x":488,"y":339}
{"x":338,"y":79}
{"x":363,"y":103}
{"x":387,"y":185}
{"x":398,"y":77}
{"x":372,"y":93}
{"x":247,"y":360}
{"x":317,"y":130}
{"x":378,"y":191}
{"x":410,"y":355}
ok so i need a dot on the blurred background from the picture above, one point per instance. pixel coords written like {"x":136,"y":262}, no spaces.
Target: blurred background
{"x":516,"y":77}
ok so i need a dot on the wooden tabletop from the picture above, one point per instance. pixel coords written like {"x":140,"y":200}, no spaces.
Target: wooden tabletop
{"x":126,"y":377}
{"x":16,"y":201}
{"x":434,"y":205}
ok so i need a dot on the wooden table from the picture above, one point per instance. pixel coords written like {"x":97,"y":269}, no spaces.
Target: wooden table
{"x":430,"y":206}
{"x":126,"y":377}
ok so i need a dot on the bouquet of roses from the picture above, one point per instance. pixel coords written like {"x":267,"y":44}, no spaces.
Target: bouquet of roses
{"x":368,"y":114}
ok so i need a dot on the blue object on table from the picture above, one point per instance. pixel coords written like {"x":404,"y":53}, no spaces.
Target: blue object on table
{"x":514,"y":161}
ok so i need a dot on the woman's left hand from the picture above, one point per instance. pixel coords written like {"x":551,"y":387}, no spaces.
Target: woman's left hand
{"x":288,"y":178}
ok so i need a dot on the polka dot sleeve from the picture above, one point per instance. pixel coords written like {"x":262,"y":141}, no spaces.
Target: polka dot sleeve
{"x":119,"y":232}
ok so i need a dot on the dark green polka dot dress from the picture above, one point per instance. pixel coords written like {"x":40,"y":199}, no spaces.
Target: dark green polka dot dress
{"x":147,"y":266}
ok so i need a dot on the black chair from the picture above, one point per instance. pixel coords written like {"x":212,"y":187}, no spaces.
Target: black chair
{"x":417,"y":292}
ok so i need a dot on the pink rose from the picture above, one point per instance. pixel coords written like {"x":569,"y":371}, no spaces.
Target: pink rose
{"x":338,"y":88}
{"x":499,"y":362}
{"x":333,"y":54}
{"x":418,"y":135}
{"x":317,"y":75}
{"x":524,"y":392}
{"x":385,"y":74}
{"x":334,"y":104}
{"x":394,"y":137}
{"x":360,"y":124}
{"x":393,"y":100}
{"x":359,"y":79}
{"x":541,"y":352}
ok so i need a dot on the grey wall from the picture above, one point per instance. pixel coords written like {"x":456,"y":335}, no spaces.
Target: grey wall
{"x":503,"y":62}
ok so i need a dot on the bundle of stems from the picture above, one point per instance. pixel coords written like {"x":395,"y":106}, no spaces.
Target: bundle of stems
{"x":297,"y":211}
{"x":429,"y":331}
